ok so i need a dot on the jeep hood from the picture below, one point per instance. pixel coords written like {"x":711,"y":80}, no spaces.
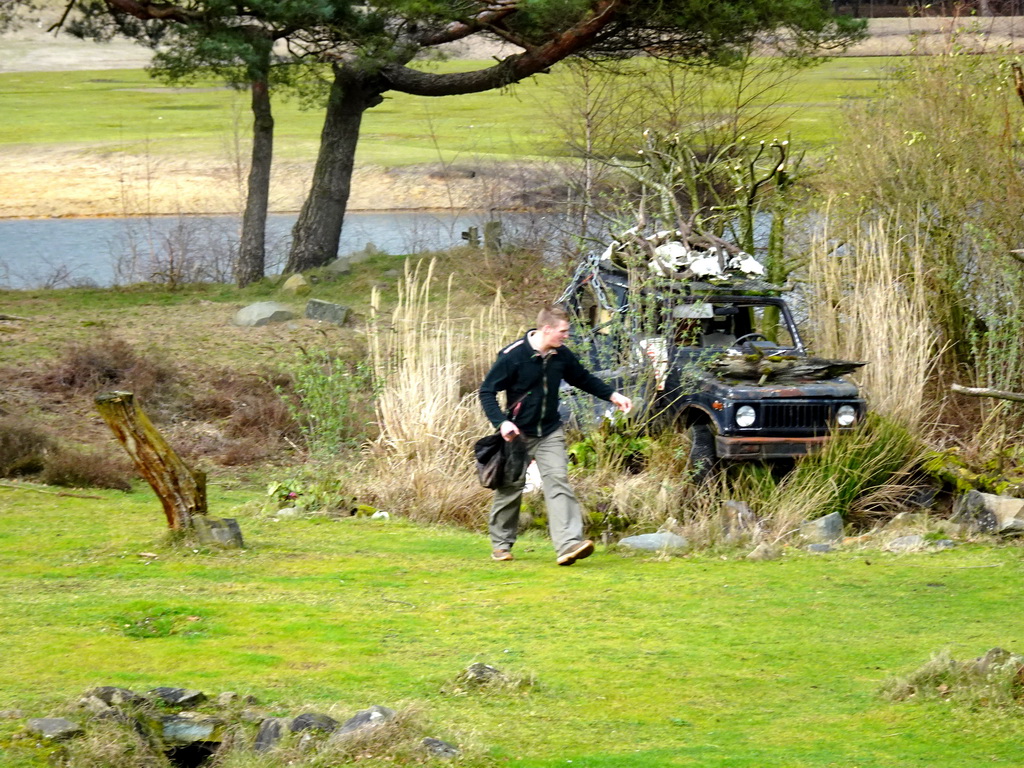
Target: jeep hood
{"x":828,"y":388}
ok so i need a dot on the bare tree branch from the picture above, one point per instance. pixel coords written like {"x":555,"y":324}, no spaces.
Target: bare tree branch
{"x":987,"y":392}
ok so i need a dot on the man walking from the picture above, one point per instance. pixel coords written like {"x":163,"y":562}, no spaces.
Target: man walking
{"x":529,"y":371}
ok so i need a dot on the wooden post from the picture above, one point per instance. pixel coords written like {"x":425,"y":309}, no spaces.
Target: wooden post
{"x":181,"y":491}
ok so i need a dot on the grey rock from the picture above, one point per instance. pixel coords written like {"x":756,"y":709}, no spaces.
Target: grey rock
{"x":262,"y":313}
{"x":218,"y":532}
{"x":326,"y":312}
{"x":313,"y":721}
{"x":995,"y":659}
{"x":54,"y":728}
{"x":765,"y":551}
{"x":944,"y":544}
{"x":252,"y":716}
{"x":989,"y":513}
{"x":188,"y":728}
{"x":907,"y":543}
{"x":366,"y":718}
{"x":269,"y":734}
{"x":178,"y":697}
{"x":970,"y":511}
{"x":367,"y":252}
{"x":287,"y":513}
{"x":11,"y":714}
{"x":115,"y":696}
{"x":655,"y":542}
{"x":824,"y":530}
{"x":439,"y":748}
{"x":94,"y":704}
{"x":479,"y":673}
{"x":340,"y":266}
{"x":819,"y":548}
{"x":392,"y":273}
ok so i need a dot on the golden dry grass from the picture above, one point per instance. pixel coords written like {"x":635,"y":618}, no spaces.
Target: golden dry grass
{"x":869,"y":307}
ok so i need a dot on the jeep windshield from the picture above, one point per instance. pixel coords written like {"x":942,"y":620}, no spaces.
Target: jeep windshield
{"x":609,"y":317}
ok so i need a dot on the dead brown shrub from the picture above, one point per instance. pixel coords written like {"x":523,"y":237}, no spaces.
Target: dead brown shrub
{"x":23,"y":447}
{"x":240,"y":453}
{"x":252,"y":421}
{"x":74,"y":468}
{"x":107,"y":363}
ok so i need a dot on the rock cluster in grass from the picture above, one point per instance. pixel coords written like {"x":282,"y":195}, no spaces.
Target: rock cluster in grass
{"x":995,"y":679}
{"x":169,"y":720}
{"x":979,"y":512}
{"x":913,"y":530}
{"x":266,"y":312}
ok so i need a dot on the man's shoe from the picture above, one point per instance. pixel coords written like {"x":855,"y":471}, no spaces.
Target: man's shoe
{"x":577,"y":552}
{"x":501,"y":554}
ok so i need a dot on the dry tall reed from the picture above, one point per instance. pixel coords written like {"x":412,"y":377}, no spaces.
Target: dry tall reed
{"x":867,"y":306}
{"x":421,"y":463}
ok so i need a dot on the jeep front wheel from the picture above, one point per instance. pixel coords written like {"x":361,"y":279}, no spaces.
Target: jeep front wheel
{"x":702,"y":453}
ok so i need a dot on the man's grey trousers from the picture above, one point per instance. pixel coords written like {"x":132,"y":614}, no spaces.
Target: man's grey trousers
{"x":565,"y":521}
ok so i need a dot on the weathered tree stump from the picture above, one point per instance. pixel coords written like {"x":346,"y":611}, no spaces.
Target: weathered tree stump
{"x":181,"y":490}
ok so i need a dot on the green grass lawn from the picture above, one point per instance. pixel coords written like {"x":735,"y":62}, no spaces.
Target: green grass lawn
{"x":125,"y":110}
{"x":638,"y":660}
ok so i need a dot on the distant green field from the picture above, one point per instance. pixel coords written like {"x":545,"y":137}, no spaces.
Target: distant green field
{"x":126,"y":110}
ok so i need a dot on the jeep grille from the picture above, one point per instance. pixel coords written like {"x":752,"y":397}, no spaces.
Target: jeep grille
{"x":803,"y":417}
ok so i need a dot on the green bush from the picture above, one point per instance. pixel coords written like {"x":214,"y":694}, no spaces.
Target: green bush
{"x":332,"y":400}
{"x":852,"y":468}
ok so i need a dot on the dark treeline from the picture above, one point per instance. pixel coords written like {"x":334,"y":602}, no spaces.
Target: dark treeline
{"x":869,"y":9}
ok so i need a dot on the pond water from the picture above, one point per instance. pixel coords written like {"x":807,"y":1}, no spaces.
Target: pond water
{"x":37,"y":253}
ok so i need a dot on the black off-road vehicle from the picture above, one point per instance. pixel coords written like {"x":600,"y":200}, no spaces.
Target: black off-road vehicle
{"x":721,"y":357}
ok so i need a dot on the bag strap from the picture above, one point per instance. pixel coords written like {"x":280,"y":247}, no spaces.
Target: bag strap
{"x":513,"y":410}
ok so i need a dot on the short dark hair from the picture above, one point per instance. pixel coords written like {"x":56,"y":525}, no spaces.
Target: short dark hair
{"x":550,"y":315}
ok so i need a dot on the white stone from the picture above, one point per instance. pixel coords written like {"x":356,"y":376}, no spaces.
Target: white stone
{"x":262,"y":313}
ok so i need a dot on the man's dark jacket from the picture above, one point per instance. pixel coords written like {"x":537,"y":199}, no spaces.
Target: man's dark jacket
{"x":531,"y":380}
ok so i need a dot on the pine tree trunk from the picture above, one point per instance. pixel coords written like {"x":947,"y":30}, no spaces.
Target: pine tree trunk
{"x":318,"y":229}
{"x":252,"y":251}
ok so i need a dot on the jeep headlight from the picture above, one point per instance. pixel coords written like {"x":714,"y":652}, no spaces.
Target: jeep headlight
{"x":745,"y":416}
{"x":846,"y":415}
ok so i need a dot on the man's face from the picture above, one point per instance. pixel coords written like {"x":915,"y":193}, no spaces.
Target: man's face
{"x":554,"y":336}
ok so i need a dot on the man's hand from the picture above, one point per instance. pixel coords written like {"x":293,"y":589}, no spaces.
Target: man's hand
{"x":624,"y":403}
{"x":508,"y":430}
